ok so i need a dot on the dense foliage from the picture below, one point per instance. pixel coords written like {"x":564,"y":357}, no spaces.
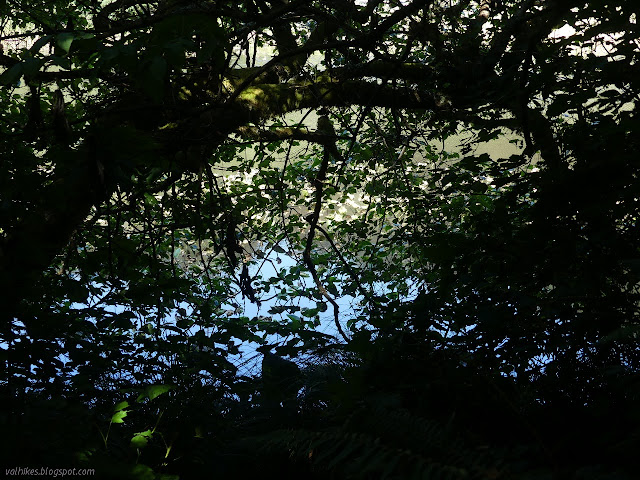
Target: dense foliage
{"x":274,"y":237}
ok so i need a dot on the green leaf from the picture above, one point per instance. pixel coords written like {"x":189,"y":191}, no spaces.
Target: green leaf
{"x":41,"y":42}
{"x":118,"y":417}
{"x":184,"y":323}
{"x":31,"y":66}
{"x":309,"y":312}
{"x":144,"y":472}
{"x":296,"y":321}
{"x":279,"y":249}
{"x":12,"y":75}
{"x":141,"y":439}
{"x":64,"y":41}
{"x":278,"y":309}
{"x":86,"y":47}
{"x":120,"y":406}
{"x":153,"y":391}
{"x":150,"y":199}
{"x":332,"y":289}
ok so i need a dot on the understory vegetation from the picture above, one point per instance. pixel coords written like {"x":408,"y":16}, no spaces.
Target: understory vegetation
{"x":320,"y":240}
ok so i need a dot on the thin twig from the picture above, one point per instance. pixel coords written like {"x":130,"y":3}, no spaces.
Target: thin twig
{"x":313,"y":224}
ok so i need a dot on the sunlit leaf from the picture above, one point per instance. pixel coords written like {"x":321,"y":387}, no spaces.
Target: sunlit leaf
{"x":141,"y":439}
{"x":119,"y":416}
{"x":154,"y":391}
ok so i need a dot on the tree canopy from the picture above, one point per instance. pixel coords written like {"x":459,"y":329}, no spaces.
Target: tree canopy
{"x":181,"y":179}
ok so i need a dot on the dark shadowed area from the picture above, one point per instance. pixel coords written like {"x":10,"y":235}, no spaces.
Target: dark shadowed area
{"x":308,"y":239}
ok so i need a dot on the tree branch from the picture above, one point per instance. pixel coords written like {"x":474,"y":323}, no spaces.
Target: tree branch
{"x":313,"y":223}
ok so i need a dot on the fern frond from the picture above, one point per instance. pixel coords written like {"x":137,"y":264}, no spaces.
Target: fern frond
{"x":382,"y":444}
